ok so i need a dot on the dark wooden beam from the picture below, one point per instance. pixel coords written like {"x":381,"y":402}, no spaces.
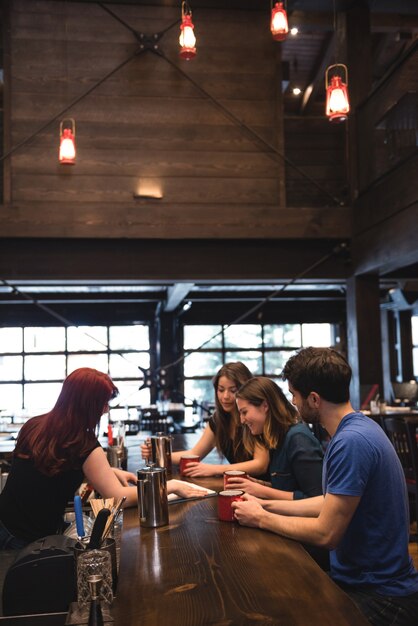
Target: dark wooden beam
{"x":159,"y":259}
{"x":364,"y":335}
{"x":153,"y":219}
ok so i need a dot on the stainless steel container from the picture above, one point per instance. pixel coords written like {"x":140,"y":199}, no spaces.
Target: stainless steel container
{"x":161,"y":452}
{"x":117,"y":456}
{"x":152,"y":496}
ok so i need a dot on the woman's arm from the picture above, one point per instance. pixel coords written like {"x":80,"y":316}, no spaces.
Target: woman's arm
{"x":98,"y":473}
{"x":257,"y":465}
{"x":259,"y":489}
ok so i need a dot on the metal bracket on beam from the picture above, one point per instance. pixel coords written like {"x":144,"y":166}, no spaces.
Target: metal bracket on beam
{"x":148,"y":42}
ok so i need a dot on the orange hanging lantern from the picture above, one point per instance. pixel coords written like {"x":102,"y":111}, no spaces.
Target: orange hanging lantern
{"x":278,"y":23}
{"x":337,"y":103}
{"x":187,"y":38}
{"x":67,"y":150}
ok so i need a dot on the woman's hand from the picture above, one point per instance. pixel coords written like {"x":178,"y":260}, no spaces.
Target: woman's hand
{"x":184,"y":491}
{"x":124,"y":477}
{"x":253,"y":487}
{"x":194,"y":470}
{"x":146,"y":450}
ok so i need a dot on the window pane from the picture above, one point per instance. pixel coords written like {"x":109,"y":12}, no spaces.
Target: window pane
{"x":414,"y":320}
{"x":282,"y":335}
{"x":48,"y":367}
{"x":126,"y":365}
{"x":11,"y":367}
{"x":284,"y":387}
{"x":196,"y":336}
{"x":316,"y":335}
{"x":97,"y":361}
{"x":199,"y":390}
{"x":202,"y":363}
{"x":415,"y":353}
{"x":275,"y":361}
{"x":135,"y":337}
{"x":131,"y":395}
{"x":251,"y":359}
{"x":86,"y":338}
{"x":11,"y":339}
{"x":44,"y":339}
{"x":41,"y":397}
{"x":243,"y":336}
{"x":11,"y":397}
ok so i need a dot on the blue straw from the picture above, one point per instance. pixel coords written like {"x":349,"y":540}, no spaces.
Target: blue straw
{"x":78,"y":509}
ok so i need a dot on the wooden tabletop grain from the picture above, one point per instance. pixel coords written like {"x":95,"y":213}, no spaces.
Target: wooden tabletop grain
{"x":198,"y":570}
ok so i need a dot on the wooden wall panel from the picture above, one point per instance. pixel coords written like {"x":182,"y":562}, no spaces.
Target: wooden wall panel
{"x":318,"y":149}
{"x":148,"y":126}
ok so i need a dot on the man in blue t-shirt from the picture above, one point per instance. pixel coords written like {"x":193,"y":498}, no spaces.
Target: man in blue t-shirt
{"x":363,"y":517}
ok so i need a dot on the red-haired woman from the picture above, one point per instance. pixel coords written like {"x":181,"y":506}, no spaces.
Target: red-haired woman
{"x":53,"y":454}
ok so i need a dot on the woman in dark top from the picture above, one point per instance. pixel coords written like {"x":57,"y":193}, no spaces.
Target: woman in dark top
{"x":53,"y":453}
{"x":224,"y":431}
{"x":295,"y":454}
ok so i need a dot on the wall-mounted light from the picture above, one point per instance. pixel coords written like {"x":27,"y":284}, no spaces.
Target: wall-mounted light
{"x":278,"y":23}
{"x":67,"y":150}
{"x":337,"y":103}
{"x":296,"y":91}
{"x":187,"y":37}
{"x":294,"y":31}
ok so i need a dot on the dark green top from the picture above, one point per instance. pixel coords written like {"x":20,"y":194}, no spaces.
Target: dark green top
{"x":297,"y":464}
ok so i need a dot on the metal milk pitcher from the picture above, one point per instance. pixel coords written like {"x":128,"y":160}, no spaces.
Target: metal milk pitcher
{"x":161,"y":451}
{"x":152,"y":496}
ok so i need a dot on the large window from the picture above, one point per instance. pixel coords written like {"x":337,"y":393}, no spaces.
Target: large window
{"x":264,"y":348}
{"x":35,"y":360}
{"x":415,"y":343}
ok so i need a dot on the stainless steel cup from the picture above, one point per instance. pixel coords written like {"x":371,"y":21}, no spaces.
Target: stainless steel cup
{"x":161,"y":452}
{"x":152,"y":496}
{"x":117,"y":456}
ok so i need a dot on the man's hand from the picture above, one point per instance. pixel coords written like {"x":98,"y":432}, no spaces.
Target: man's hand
{"x":248,"y":512}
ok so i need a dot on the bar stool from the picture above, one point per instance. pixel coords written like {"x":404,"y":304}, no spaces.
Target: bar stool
{"x":402,"y":434}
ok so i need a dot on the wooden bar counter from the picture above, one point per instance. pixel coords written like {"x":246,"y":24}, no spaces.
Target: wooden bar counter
{"x":198,"y":570}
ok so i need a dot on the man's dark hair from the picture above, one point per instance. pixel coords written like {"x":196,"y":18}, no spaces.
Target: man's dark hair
{"x":322,"y":370}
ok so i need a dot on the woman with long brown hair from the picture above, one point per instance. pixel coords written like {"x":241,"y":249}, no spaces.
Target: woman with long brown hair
{"x":224,"y":431}
{"x":295,"y":454}
{"x":53,"y":453}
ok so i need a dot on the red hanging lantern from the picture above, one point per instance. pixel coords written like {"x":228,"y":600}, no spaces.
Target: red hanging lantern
{"x":337,"y":103}
{"x":278,"y":23}
{"x":187,"y":38}
{"x":67,"y":150}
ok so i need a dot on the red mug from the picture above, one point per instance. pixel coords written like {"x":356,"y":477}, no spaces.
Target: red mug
{"x":186,"y":459}
{"x":225,"y":499}
{"x":233,"y":474}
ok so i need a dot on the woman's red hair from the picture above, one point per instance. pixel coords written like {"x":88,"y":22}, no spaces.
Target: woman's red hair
{"x":57,"y":440}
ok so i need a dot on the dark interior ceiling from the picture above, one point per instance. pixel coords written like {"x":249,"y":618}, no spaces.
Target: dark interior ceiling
{"x":394,"y":26}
